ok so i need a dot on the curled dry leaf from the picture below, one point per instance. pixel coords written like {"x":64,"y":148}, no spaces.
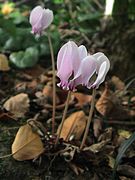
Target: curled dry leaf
{"x":73,"y":126}
{"x":18,"y":105}
{"x":27,"y":144}
{"x":106,"y":102}
{"x":97,"y":127}
{"x":119,"y":85}
{"x":95,"y":148}
{"x":4,"y":63}
{"x":82,"y":98}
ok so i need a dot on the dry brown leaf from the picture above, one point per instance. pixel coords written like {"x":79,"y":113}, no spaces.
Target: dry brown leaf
{"x":48,"y":91}
{"x":27,"y":145}
{"x":73,"y":126}
{"x":95,"y":148}
{"x":34,"y":72}
{"x":18,"y":105}
{"x":82,"y":98}
{"x":4,"y":63}
{"x":97,"y":127}
{"x":106,"y":102}
{"x":118,"y":83}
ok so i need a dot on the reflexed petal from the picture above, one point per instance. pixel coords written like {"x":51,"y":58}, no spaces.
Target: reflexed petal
{"x":82,"y":51}
{"x":101,"y":75}
{"x":88,"y":68}
{"x":66,"y":56}
{"x":35,"y":15}
{"x":100,"y":59}
{"x":47,"y":18}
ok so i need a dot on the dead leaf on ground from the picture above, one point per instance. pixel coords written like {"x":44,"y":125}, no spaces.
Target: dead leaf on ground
{"x":48,"y":91}
{"x":82,"y":99}
{"x":73,"y":126}
{"x":18,"y":105}
{"x":97,"y":127}
{"x":106,"y":102}
{"x":119,"y":84}
{"x":27,"y":144}
{"x":34,"y":72}
{"x":95,"y":148}
{"x":4,"y":66}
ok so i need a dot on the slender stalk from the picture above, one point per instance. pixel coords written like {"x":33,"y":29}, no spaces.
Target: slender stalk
{"x":63,"y":118}
{"x":54,"y":82}
{"x":89,"y":118}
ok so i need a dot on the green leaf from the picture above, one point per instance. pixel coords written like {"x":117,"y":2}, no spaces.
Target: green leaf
{"x":24,"y":59}
{"x":13,"y":44}
{"x":124,"y":146}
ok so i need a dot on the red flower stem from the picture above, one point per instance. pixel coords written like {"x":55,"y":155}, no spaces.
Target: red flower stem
{"x":63,"y":117}
{"x":54,"y":82}
{"x":89,"y":119}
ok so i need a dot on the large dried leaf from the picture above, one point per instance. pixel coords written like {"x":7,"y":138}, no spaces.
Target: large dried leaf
{"x":73,"y":126}
{"x":27,"y":144}
{"x":106,"y":102}
{"x":18,"y":105}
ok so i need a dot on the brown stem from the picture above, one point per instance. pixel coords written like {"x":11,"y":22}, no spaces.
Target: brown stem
{"x":89,"y":118}
{"x":54,"y":82}
{"x":63,"y":118}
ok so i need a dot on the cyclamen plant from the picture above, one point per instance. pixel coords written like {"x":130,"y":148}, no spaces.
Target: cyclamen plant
{"x":77,"y":67}
{"x":40,"y":19}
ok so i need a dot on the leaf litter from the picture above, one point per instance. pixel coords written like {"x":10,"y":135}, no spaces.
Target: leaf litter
{"x":32,"y":95}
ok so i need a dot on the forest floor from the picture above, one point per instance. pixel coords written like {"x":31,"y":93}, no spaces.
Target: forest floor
{"x":27,"y":145}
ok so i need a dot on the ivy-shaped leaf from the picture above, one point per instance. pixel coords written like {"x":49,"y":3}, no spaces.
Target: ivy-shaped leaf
{"x":24,"y":59}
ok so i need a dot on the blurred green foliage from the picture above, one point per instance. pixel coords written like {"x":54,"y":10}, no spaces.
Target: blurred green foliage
{"x":77,"y":20}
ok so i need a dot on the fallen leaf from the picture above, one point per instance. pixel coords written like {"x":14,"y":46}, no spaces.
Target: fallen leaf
{"x":18,"y":105}
{"x":106,"y":102}
{"x":97,"y":127}
{"x":111,"y":161}
{"x":48,"y":91}
{"x":124,"y":133}
{"x":73,"y":126}
{"x":27,"y":144}
{"x":4,"y":63}
{"x":34,"y":72}
{"x":82,"y":98}
{"x":119,"y":85}
{"x":95,"y":148}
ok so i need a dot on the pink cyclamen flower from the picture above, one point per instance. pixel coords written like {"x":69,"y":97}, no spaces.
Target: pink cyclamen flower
{"x":40,"y":19}
{"x":69,"y":60}
{"x":75,"y":66}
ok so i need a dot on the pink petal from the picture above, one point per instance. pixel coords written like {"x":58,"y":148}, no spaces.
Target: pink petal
{"x":100,"y":59}
{"x":88,"y":68}
{"x":101,"y":75}
{"x":35,"y":15}
{"x":82,"y":51}
{"x":47,"y":18}
{"x":66,"y":56}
